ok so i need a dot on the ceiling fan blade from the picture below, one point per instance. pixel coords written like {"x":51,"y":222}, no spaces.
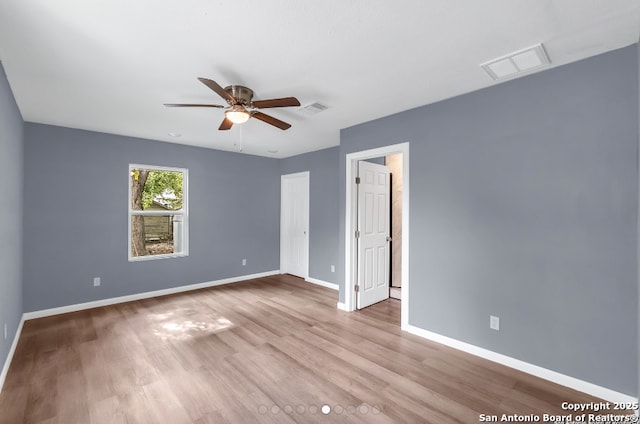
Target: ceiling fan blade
{"x":271,"y":120}
{"x":216,"y":87}
{"x":283,"y":102}
{"x":226,"y":124}
{"x":191,"y":105}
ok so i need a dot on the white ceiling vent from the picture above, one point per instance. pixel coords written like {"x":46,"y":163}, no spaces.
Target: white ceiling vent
{"x":516,"y":63}
{"x":313,"y":109}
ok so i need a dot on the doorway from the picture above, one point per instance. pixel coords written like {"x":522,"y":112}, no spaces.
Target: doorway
{"x":394,"y":163}
{"x":294,"y":224}
{"x":351,"y":220}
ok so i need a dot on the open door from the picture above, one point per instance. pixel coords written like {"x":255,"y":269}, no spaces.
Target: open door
{"x":373,"y":233}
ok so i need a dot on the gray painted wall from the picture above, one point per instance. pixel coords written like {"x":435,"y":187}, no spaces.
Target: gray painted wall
{"x":524,"y":204}
{"x":324,"y":211}
{"x":11,"y":151}
{"x":75,"y":216}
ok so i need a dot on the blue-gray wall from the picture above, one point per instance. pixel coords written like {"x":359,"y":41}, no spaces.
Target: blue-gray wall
{"x":324,"y":210}
{"x":524,"y":204}
{"x":75,"y":216}
{"x":11,"y":150}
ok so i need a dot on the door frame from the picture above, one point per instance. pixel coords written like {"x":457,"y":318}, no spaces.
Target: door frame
{"x":283,"y":246}
{"x":351,"y":198}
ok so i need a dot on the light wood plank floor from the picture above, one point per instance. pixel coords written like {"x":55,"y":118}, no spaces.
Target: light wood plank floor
{"x":272,"y":350}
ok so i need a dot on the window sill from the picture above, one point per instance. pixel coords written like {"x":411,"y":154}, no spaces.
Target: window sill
{"x":154,"y":257}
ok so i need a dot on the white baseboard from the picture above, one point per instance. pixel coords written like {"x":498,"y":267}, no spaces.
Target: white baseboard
{"x":342,"y":306}
{"x":322,"y":283}
{"x":138,"y":296}
{"x":12,"y":350}
{"x":553,"y":376}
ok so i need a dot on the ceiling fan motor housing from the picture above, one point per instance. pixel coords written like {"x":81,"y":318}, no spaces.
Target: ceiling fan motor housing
{"x":242,"y":94}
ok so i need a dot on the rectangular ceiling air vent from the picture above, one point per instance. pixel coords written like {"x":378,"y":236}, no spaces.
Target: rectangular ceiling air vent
{"x":313,"y":109}
{"x":516,"y":63}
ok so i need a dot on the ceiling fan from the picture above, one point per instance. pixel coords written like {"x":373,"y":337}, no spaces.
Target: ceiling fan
{"x":241,"y":107}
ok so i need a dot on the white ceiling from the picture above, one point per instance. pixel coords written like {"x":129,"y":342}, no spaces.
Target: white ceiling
{"x":109,"y":65}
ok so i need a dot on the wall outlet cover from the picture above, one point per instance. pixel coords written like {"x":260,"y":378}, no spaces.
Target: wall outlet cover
{"x":494,"y":323}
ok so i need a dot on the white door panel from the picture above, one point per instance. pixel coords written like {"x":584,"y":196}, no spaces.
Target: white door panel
{"x":374,"y":230}
{"x":294,"y":224}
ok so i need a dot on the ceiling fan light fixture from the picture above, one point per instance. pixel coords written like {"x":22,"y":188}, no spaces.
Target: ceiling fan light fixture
{"x":237,"y":114}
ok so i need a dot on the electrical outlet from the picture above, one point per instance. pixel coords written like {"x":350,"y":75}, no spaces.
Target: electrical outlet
{"x":6,"y":332}
{"x":333,"y":268}
{"x":494,"y":323}
{"x":96,"y":282}
{"x":244,"y":262}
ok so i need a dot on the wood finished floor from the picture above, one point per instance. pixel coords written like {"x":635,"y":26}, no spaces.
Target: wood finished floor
{"x":271,"y":350}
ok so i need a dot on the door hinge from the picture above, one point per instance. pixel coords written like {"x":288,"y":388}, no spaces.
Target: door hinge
{"x":357,"y":180}
{"x":357,"y":233}
{"x":357,"y":288}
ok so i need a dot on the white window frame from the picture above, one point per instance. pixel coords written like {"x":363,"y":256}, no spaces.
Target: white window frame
{"x":184,"y":212}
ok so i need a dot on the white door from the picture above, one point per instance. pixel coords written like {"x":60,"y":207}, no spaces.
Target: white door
{"x":294,"y":224}
{"x":373,"y":234}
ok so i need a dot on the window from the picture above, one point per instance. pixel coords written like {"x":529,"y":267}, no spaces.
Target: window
{"x":158,"y":217}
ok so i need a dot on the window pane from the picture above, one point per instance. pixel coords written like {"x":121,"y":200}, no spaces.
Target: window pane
{"x":157,"y":235}
{"x":154,"y":189}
